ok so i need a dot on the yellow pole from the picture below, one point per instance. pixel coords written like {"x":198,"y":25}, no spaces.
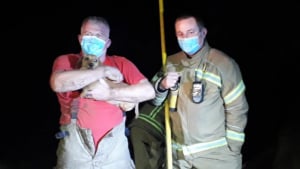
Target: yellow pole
{"x":162,"y":33}
{"x":164,"y":58}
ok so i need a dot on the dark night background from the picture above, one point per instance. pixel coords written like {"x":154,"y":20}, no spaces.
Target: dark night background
{"x":261,"y":36}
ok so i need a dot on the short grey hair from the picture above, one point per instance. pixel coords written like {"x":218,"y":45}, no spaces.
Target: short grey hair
{"x":96,"y":20}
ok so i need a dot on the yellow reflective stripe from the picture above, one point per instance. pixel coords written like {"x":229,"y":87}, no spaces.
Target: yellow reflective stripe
{"x":209,"y":77}
{"x":152,"y":122}
{"x":235,"y":93}
{"x":150,"y":118}
{"x":233,"y":135}
{"x":156,"y":110}
{"x":195,"y":148}
{"x":158,"y":100}
{"x":176,"y":146}
{"x":212,"y":78}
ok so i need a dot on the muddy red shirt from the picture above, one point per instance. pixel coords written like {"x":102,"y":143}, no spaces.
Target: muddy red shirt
{"x":99,"y":116}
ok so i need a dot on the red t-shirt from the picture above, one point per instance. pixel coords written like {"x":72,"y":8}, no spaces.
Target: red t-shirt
{"x":99,"y":116}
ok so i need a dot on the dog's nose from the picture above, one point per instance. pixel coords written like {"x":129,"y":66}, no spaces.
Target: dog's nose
{"x":91,"y":65}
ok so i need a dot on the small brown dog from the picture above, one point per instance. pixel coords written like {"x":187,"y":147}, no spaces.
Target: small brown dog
{"x":91,"y":62}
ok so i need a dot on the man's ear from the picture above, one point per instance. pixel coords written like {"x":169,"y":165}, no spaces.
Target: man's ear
{"x":203,"y":32}
{"x":108,"y":43}
{"x":79,"y":37}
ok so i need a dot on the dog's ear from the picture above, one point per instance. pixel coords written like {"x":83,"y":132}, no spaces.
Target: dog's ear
{"x":79,"y":62}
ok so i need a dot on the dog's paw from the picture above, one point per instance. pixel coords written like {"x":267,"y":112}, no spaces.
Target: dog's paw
{"x":126,"y":106}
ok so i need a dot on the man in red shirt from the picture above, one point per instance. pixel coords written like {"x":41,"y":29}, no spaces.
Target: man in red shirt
{"x":94,"y":130}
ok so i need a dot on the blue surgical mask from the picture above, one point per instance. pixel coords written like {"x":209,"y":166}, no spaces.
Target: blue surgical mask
{"x":189,"y":45}
{"x":92,"y":45}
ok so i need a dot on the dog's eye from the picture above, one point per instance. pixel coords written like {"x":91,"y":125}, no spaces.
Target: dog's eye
{"x":95,"y":60}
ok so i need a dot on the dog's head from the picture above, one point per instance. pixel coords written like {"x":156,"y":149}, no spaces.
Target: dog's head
{"x":89,"y":62}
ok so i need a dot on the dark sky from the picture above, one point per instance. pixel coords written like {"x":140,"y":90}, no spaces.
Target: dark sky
{"x":262,"y":38}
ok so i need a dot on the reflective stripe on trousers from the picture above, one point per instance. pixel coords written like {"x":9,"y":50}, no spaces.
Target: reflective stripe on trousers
{"x":195,"y":148}
{"x":214,"y":154}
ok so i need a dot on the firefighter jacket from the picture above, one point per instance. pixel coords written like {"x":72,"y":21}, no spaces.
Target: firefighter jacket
{"x":220,"y":119}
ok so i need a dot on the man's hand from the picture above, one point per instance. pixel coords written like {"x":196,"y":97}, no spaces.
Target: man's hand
{"x":98,"y":90}
{"x":113,"y":74}
{"x":169,"y":80}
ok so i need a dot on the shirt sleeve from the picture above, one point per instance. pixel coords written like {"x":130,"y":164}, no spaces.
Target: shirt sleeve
{"x":65,"y":62}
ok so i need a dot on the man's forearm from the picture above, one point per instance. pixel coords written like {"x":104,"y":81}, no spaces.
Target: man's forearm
{"x":140,"y":92}
{"x":73,"y":80}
